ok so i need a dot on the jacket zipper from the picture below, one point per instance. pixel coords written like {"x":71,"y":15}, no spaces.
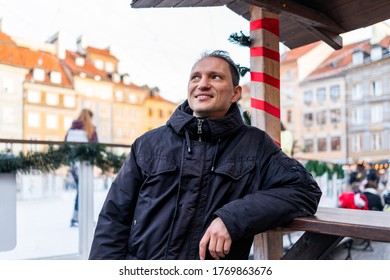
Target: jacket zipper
{"x":200,"y":122}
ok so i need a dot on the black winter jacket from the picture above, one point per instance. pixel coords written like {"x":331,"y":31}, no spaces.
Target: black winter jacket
{"x":179,"y":177}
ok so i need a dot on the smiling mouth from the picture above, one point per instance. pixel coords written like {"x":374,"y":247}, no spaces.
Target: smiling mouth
{"x":204,"y":96}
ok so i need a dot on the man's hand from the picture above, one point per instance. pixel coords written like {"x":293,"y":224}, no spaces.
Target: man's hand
{"x":218,"y":240}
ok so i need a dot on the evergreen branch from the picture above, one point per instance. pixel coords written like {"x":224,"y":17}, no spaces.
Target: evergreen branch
{"x":242,"y":40}
{"x":64,"y":155}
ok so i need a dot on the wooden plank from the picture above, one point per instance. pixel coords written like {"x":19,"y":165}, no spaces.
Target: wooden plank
{"x":268,"y":246}
{"x":312,"y":246}
{"x":301,"y":13}
{"x":372,"y":225}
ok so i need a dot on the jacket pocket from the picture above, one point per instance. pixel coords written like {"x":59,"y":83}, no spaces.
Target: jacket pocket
{"x":154,"y":165}
{"x":235,"y":169}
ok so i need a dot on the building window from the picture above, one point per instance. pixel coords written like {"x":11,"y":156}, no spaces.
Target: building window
{"x":335,"y":115}
{"x":289,"y":93}
{"x":376,"y":53}
{"x":376,"y":141}
{"x":119,"y":95}
{"x":33,"y":96}
{"x":308,"y":97}
{"x":376,"y":113}
{"x":109,"y":67}
{"x":68,"y":122}
{"x":69,"y":101}
{"x":321,"y":95}
{"x":321,"y":144}
{"x":119,"y":132}
{"x":33,"y":120}
{"x":132,"y":98}
{"x":357,"y":116}
{"x":55,"y":77}
{"x":376,"y":88}
{"x":99,"y":64}
{"x":150,"y":112}
{"x":321,"y":118}
{"x":308,"y":145}
{"x":80,"y":61}
{"x":308,"y":119}
{"x":51,"y":121}
{"x":133,"y":114}
{"x":39,"y":74}
{"x":357,"y":92}
{"x":160,"y":113}
{"x":356,"y":143}
{"x":335,"y":143}
{"x":335,"y":92}
{"x":52,"y":99}
{"x":357,"y":58}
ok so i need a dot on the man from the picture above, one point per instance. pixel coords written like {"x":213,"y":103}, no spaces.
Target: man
{"x":203,"y":185}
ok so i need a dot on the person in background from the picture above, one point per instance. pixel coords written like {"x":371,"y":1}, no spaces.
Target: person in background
{"x":353,"y":199}
{"x":386,"y":199}
{"x":373,"y":197}
{"x":82,"y":130}
{"x":204,"y":184}
{"x":372,"y":175}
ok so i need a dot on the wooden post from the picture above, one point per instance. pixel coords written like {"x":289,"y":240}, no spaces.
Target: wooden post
{"x":265,"y":101}
{"x":265,"y":71}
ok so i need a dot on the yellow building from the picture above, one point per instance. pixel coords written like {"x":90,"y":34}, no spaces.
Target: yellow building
{"x":56,"y":84}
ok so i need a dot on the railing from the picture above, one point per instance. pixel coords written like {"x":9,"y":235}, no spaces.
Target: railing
{"x":86,"y":197}
{"x":323,"y":232}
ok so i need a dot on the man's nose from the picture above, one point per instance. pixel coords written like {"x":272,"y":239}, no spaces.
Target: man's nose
{"x":204,"y":83}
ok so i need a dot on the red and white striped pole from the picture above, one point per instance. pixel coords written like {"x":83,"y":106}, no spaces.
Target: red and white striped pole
{"x":265,"y":72}
{"x":265,"y":102}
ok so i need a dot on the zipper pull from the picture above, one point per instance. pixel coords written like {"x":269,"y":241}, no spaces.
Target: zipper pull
{"x":200,"y":122}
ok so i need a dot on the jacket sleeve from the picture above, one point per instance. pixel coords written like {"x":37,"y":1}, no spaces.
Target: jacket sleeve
{"x":285,"y":191}
{"x":114,"y":222}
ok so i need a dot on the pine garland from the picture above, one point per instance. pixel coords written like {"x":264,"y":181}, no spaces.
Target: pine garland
{"x":320,"y":168}
{"x":64,"y":155}
{"x":240,"y":39}
{"x":244,"y":41}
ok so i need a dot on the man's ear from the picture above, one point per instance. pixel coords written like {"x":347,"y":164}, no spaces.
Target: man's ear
{"x":236,"y":94}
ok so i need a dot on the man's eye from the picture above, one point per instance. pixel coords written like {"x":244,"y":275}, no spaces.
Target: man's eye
{"x":194,"y":78}
{"x":217,"y":77}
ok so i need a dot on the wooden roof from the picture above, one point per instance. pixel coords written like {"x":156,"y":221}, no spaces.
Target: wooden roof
{"x":301,"y":21}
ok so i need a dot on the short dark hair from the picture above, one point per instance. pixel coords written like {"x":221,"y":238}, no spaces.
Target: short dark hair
{"x":226,"y":57}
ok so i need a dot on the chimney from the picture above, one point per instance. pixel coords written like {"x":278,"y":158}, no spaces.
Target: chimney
{"x":57,"y":40}
{"x":82,"y":45}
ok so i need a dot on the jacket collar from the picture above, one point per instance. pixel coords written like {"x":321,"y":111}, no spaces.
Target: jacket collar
{"x":182,"y":119}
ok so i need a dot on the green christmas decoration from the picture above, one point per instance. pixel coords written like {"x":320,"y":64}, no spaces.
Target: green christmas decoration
{"x":63,"y":155}
{"x":320,"y":168}
{"x":244,"y":41}
{"x":242,"y":70}
{"x":240,"y":39}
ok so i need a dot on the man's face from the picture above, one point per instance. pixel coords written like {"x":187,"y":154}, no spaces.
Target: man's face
{"x":210,"y":88}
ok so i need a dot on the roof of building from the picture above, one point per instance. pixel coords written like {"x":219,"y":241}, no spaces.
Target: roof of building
{"x":341,"y":59}
{"x":296,"y":53}
{"x":12,"y":54}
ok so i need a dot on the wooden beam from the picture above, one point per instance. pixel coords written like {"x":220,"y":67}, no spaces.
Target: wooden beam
{"x":265,"y":72}
{"x":268,"y":246}
{"x":332,"y":39}
{"x":301,"y":13}
{"x":312,"y":246}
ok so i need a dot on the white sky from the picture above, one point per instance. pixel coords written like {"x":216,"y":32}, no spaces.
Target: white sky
{"x":156,"y":47}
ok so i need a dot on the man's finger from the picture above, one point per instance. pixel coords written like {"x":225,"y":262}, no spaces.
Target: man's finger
{"x":203,"y":245}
